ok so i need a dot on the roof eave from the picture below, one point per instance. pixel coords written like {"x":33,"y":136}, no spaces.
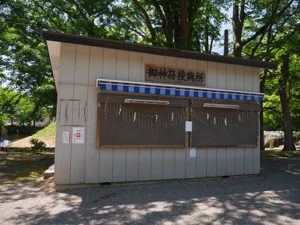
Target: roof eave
{"x":106,"y":43}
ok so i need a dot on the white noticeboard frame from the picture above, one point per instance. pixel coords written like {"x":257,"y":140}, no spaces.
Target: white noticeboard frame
{"x":78,"y":135}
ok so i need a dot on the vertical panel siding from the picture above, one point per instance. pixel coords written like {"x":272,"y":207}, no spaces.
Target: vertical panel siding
{"x":239,"y":161}
{"x":191,"y":164}
{"x":96,"y":65}
{"x":222,"y":76}
{"x":146,"y":59}
{"x":230,"y":81}
{"x":202,"y":65}
{"x":135,"y":67}
{"x":109,"y":63}
{"x":170,"y":61}
{"x":132,"y":165}
{"x":248,"y":79}
{"x":92,"y":153}
{"x":212,"y":76}
{"x":144,"y":164}
{"x":168,"y":163}
{"x":240,"y":78}
{"x":248,"y":166}
{"x":157,"y":154}
{"x":122,"y":65}
{"x":256,"y":154}
{"x":182,"y":63}
{"x":80,"y":93}
{"x":119,"y":165}
{"x":221,"y":161}
{"x":157,"y":164}
{"x":63,"y":151}
{"x":211,"y":162}
{"x":231,"y":151}
{"x":179,"y":170}
{"x":249,"y":152}
{"x":201,"y":162}
{"x":144,"y":154}
{"x":230,"y":161}
{"x":106,"y":165}
{"x":169,"y":154}
{"x":107,"y":155}
{"x":159,"y":60}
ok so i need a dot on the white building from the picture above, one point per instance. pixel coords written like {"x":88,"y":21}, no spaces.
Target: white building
{"x":122,"y":110}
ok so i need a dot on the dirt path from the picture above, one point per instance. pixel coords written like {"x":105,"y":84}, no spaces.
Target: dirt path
{"x":270,"y":198}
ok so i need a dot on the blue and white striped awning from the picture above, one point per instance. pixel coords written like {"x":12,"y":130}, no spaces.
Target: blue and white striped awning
{"x":176,"y":90}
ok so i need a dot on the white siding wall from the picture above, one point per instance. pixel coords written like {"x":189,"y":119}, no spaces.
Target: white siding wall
{"x":84,"y":163}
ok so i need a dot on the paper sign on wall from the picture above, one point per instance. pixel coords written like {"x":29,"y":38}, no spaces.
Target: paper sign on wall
{"x":193,"y":153}
{"x":188,"y":126}
{"x":66,"y":137}
{"x":78,"y":135}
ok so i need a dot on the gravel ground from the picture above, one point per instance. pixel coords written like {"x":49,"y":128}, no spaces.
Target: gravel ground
{"x":270,"y":198}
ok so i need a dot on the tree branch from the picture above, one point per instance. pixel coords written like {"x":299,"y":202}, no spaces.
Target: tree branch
{"x":50,"y":18}
{"x":193,"y":15}
{"x":147,"y":19}
{"x":264,"y":28}
{"x":256,"y":46}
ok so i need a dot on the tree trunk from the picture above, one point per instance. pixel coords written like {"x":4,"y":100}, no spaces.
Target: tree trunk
{"x":284,"y":100}
{"x":226,"y":43}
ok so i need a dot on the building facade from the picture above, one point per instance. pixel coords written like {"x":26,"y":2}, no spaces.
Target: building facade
{"x":90,"y":72}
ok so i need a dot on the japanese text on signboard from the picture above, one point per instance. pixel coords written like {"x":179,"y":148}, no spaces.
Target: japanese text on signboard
{"x":167,"y":74}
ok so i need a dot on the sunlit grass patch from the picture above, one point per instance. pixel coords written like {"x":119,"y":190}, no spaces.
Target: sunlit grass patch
{"x":48,"y":131}
{"x":24,"y":168}
{"x":279,"y":153}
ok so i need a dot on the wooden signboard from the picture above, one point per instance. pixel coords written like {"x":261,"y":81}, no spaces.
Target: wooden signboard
{"x":167,"y":74}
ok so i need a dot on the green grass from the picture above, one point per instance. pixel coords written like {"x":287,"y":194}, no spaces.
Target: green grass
{"x":48,"y":131}
{"x":279,"y":153}
{"x":25,"y":168}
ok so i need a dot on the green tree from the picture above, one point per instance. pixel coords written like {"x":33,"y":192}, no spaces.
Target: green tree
{"x":177,"y":23}
{"x":251,"y":20}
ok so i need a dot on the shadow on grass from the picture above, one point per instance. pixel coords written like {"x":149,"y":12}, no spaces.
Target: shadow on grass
{"x":23,"y":166}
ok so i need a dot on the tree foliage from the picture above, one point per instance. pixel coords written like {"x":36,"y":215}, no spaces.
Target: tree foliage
{"x":262,"y":29}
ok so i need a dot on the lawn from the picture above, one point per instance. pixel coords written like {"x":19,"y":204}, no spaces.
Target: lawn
{"x":15,"y":167}
{"x":270,"y":153}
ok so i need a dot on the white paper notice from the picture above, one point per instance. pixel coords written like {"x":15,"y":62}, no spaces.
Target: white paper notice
{"x":188,"y":126}
{"x":66,"y":137}
{"x":78,"y":135}
{"x":193,"y":153}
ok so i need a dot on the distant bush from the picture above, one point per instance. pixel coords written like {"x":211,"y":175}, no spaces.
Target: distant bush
{"x":21,"y":130}
{"x":38,"y":146}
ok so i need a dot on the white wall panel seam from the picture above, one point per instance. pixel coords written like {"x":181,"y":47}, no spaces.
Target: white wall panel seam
{"x":128,"y":66}
{"x":86,"y":113}
{"x":102,"y":75}
{"x":72,"y":112}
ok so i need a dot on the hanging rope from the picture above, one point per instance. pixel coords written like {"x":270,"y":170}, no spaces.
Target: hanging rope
{"x":222,"y":119}
{"x":144,"y":119}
